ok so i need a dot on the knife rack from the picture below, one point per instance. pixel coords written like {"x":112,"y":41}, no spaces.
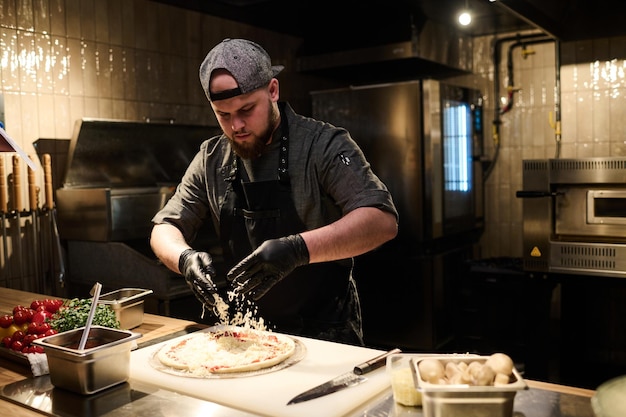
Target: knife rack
{"x":31,"y":257}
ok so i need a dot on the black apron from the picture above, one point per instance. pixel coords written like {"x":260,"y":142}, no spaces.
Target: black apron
{"x":317,"y":300}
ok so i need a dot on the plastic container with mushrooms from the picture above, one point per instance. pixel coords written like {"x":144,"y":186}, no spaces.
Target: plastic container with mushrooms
{"x":455,"y":385}
{"x":458,"y":385}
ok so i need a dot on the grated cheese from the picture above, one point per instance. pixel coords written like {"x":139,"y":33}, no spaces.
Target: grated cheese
{"x":245,"y":316}
{"x":227,"y":351}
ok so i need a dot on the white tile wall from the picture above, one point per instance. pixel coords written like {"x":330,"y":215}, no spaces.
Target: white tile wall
{"x":593,"y":122}
{"x":62,"y":60}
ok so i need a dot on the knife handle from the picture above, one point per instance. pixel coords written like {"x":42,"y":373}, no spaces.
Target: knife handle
{"x":17,"y":184}
{"x":32,"y":188}
{"x":47,"y":179}
{"x":3,"y":187}
{"x":374,"y":363}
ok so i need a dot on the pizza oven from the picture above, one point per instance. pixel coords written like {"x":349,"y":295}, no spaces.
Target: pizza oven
{"x":575,"y":216}
{"x":118,"y":175}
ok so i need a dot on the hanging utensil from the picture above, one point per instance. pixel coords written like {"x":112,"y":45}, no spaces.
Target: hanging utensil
{"x":47,"y":180}
{"x":92,"y":311}
{"x":3,"y":217}
{"x":33,"y":205}
{"x":51,"y":210}
{"x":17,"y":205}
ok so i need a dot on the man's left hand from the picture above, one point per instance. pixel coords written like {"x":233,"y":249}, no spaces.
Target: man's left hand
{"x":267,"y":265}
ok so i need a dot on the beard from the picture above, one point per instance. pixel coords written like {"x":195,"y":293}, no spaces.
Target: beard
{"x":260,"y":142}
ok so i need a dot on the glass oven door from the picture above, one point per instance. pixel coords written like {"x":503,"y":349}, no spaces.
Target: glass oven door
{"x":606,"y":207}
{"x":458,"y":167}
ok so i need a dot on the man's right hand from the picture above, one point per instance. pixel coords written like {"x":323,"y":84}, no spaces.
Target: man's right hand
{"x":197,"y":268}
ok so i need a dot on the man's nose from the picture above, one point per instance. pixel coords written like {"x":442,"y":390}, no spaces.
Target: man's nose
{"x":237,"y":123}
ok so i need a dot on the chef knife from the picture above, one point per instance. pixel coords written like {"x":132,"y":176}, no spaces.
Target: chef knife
{"x":349,"y":379}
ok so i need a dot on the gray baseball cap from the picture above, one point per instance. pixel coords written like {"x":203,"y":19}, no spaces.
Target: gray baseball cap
{"x":248,"y":63}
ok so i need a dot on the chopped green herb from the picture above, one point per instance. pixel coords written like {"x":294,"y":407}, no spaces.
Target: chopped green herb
{"x":74,"y":312}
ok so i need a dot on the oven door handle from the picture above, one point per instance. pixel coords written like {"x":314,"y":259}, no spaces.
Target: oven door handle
{"x":536,"y":194}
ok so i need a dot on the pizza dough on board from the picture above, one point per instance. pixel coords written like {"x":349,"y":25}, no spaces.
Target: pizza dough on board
{"x":226,"y":350}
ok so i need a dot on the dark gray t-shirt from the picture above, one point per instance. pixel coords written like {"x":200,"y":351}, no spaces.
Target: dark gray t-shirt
{"x":328,"y":171}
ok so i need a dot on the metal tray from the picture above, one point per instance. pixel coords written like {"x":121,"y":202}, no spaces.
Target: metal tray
{"x":128,"y":305}
{"x":14,"y":356}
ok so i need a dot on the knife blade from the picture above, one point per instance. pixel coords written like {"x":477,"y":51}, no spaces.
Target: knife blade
{"x":348,"y":379}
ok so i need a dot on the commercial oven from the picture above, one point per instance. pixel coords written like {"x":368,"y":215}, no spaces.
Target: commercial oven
{"x":424,"y":139}
{"x":574,"y":216}
{"x":118,"y":175}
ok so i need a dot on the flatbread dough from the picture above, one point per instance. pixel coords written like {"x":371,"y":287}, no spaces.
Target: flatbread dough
{"x":227,"y":350}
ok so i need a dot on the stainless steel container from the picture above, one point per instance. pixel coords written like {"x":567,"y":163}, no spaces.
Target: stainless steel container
{"x":105,"y":361}
{"x":128,"y":305}
{"x":462,"y":400}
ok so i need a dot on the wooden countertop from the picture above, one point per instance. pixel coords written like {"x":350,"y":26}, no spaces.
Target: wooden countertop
{"x":153,"y":327}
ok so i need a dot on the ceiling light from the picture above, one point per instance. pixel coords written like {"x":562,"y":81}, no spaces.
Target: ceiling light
{"x":465,"y":17}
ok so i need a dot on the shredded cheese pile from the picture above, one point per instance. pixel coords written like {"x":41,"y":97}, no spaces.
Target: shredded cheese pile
{"x":206,"y":353}
{"x":228,"y":352}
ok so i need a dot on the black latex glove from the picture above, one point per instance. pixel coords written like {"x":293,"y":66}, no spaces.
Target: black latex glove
{"x":268,"y":264}
{"x":197,"y":268}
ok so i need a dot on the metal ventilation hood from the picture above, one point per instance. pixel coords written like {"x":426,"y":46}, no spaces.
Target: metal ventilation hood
{"x":390,"y":39}
{"x":433,"y":51}
{"x":323,"y":24}
{"x":377,"y":40}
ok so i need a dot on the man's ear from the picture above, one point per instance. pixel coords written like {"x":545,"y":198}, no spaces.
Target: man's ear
{"x":274,"y":90}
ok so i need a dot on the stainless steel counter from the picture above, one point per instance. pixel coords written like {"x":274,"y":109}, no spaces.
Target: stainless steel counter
{"x":127,"y":399}
{"x":142,"y":400}
{"x":533,"y":402}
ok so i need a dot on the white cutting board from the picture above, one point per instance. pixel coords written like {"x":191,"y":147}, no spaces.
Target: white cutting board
{"x":269,"y":393}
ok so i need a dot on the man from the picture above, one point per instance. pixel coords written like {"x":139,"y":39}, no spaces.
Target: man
{"x":292,"y":199}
